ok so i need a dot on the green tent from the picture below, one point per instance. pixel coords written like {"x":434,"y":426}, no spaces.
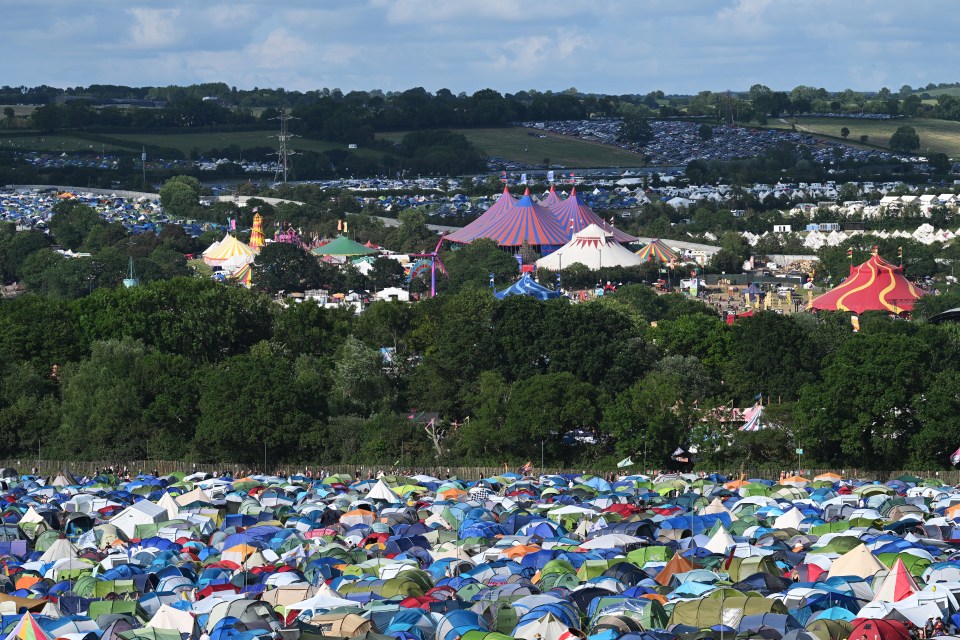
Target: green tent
{"x":343,"y":246}
{"x":706,"y":612}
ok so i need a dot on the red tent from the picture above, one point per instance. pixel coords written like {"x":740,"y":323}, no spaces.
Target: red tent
{"x":879,"y":630}
{"x":478,"y":227}
{"x":875,"y":285}
{"x":575,"y":216}
{"x":551,"y":200}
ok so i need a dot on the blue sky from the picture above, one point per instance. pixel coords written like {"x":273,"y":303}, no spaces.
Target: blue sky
{"x":602,"y":46}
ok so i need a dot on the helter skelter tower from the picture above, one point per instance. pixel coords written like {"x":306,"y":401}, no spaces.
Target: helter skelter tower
{"x":284,"y":166}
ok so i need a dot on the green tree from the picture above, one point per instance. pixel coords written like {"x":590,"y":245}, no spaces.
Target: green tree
{"x":769,"y":354}
{"x":905,"y":139}
{"x":256,"y":403}
{"x":471,"y":266}
{"x":281,"y":266}
{"x":386,"y":272}
{"x":635,"y":129}
{"x":937,"y":407}
{"x":860,"y":414}
{"x":939,"y":162}
{"x":180,"y":196}
{"x":72,"y":222}
{"x":844,"y":132}
{"x":705,"y":132}
{"x":651,"y":418}
{"x":360,"y":385}
{"x":187,"y":316}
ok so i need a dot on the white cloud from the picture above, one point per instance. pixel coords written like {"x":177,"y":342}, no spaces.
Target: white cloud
{"x":154,"y":28}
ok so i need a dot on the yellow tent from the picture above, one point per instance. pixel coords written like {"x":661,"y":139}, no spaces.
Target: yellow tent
{"x":228,"y":252}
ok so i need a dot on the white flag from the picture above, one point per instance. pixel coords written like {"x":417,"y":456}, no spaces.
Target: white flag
{"x":626,"y":462}
{"x":550,"y":176}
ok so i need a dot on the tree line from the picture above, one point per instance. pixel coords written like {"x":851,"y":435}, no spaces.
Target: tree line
{"x":192,"y":369}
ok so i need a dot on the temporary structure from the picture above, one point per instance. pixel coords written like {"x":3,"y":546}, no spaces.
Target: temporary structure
{"x":478,"y":227}
{"x":574,"y":216}
{"x":657,"y":251}
{"x":526,"y":222}
{"x":593,"y":247}
{"x":527,"y":286}
{"x":875,"y":285}
{"x":342,"y":246}
{"x":256,"y":233}
{"x":228,"y":253}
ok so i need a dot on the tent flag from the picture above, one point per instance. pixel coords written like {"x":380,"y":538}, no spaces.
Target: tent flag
{"x":955,"y":458}
{"x":626,"y":462}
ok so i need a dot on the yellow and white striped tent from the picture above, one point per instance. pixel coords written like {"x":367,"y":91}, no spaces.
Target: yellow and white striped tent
{"x":229,"y":253}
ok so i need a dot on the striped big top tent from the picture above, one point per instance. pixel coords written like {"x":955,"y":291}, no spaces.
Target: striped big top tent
{"x":657,"y":251}
{"x":229,"y":252}
{"x":552,"y":199}
{"x":527,"y":223}
{"x":575,"y":216}
{"x":478,"y":227}
{"x":875,"y":285}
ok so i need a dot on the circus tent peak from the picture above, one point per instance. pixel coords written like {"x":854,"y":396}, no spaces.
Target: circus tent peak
{"x":552,"y":199}
{"x":573,"y":214}
{"x":593,"y":247}
{"x":478,"y":227}
{"x":875,"y":285}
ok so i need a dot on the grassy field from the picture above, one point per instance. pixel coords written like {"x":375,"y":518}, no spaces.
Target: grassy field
{"x":243,"y":139}
{"x":515,"y":145}
{"x":184,"y":142}
{"x":950,"y":91}
{"x":935,"y":135}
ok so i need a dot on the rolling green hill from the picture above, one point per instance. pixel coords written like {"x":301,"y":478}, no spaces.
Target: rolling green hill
{"x":935,"y":135}
{"x":514,"y":144}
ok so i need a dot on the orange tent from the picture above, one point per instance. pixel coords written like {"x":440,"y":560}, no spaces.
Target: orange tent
{"x":677,"y":564}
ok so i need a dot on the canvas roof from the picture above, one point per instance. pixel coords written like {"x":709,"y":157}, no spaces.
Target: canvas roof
{"x":593,"y":247}
{"x":875,"y":285}
{"x":343,"y":246}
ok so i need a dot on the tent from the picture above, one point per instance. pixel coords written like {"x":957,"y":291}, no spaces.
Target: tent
{"x":552,"y":199}
{"x":574,"y":216}
{"x":342,"y":246}
{"x":657,"y":251}
{"x":27,"y":629}
{"x":524,"y":223}
{"x":228,"y":253}
{"x":527,"y":286}
{"x":593,"y":247}
{"x":478,"y":227}
{"x":875,"y":285}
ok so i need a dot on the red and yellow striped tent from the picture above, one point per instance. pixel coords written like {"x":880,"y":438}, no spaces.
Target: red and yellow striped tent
{"x":875,"y":285}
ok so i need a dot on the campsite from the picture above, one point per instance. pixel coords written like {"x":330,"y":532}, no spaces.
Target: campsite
{"x":539,"y":557}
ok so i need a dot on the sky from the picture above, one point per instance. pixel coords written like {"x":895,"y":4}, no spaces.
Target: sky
{"x":596,"y":46}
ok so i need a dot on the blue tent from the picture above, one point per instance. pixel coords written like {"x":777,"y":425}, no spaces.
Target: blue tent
{"x":527,"y":286}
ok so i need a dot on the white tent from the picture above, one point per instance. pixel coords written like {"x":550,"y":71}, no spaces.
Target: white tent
{"x":168,"y":617}
{"x":381,"y":491}
{"x":143,"y":512}
{"x":592,"y":247}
